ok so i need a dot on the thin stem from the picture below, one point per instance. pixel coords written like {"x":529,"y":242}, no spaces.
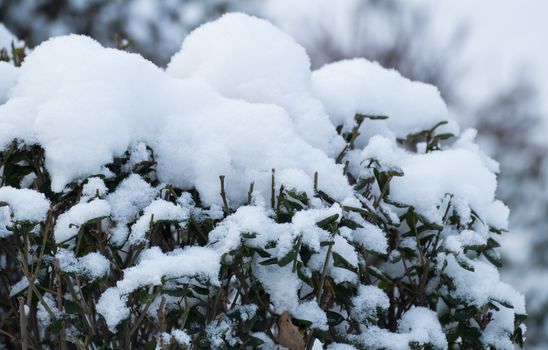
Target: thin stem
{"x":223,"y":193}
{"x":23,"y":324}
{"x":250,"y":193}
{"x":272,"y":190}
{"x":324,"y":273}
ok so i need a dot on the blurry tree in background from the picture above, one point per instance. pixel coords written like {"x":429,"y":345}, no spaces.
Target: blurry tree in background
{"x":394,"y":33}
{"x":155,"y":29}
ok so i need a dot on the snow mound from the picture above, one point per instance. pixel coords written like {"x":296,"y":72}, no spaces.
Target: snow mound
{"x":428,"y":178}
{"x":21,"y":205}
{"x":359,"y":86}
{"x":89,"y":116}
{"x":241,"y":56}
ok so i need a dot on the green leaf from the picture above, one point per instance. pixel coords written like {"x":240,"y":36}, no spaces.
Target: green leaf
{"x":250,"y":340}
{"x":463,"y":262}
{"x":341,"y":262}
{"x":289,"y":257}
{"x":493,"y":256}
{"x":328,"y":221}
{"x":249,"y":235}
{"x":302,"y":323}
{"x":71,"y":307}
{"x":360,"y":117}
{"x":333,"y":318}
{"x":270,"y":261}
{"x":375,"y":272}
{"x":201,"y":290}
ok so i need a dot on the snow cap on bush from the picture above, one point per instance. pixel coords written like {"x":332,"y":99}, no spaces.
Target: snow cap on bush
{"x":238,"y":199}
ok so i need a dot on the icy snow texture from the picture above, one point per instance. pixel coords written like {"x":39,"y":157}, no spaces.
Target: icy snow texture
{"x":384,"y":151}
{"x":337,"y":346}
{"x":359,"y":86}
{"x":462,"y":171}
{"x":90,"y":116}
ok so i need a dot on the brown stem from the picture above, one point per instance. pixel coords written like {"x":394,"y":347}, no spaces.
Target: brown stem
{"x":23,"y":324}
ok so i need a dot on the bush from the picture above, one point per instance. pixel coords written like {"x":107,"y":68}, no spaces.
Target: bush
{"x":347,"y":214}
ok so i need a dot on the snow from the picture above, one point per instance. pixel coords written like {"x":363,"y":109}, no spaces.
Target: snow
{"x":179,"y":336}
{"x":371,"y":237}
{"x":132,"y":195}
{"x":418,"y":325}
{"x":19,"y":286}
{"x":337,"y":346}
{"x":366,"y":303}
{"x":69,"y":223}
{"x":25,"y":204}
{"x":359,"y":86}
{"x":384,"y":151}
{"x":150,"y":270}
{"x":189,"y":135}
{"x":459,"y":172}
{"x":159,"y":210}
{"x":482,"y":285}
{"x":239,"y":100}
{"x":93,"y":265}
{"x":94,"y":187}
{"x":274,"y":70}
{"x":281,"y":284}
{"x":423,"y":326}
{"x":112,"y":306}
{"x":339,"y":274}
{"x":248,"y":219}
{"x":465,"y":239}
{"x":312,"y":312}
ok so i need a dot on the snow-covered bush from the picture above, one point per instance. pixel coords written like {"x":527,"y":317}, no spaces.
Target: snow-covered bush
{"x":237,"y":199}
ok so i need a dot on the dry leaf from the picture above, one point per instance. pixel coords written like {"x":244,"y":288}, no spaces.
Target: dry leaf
{"x":288,"y":333}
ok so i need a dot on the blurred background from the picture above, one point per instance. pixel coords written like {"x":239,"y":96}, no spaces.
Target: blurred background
{"x":489,"y":58}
